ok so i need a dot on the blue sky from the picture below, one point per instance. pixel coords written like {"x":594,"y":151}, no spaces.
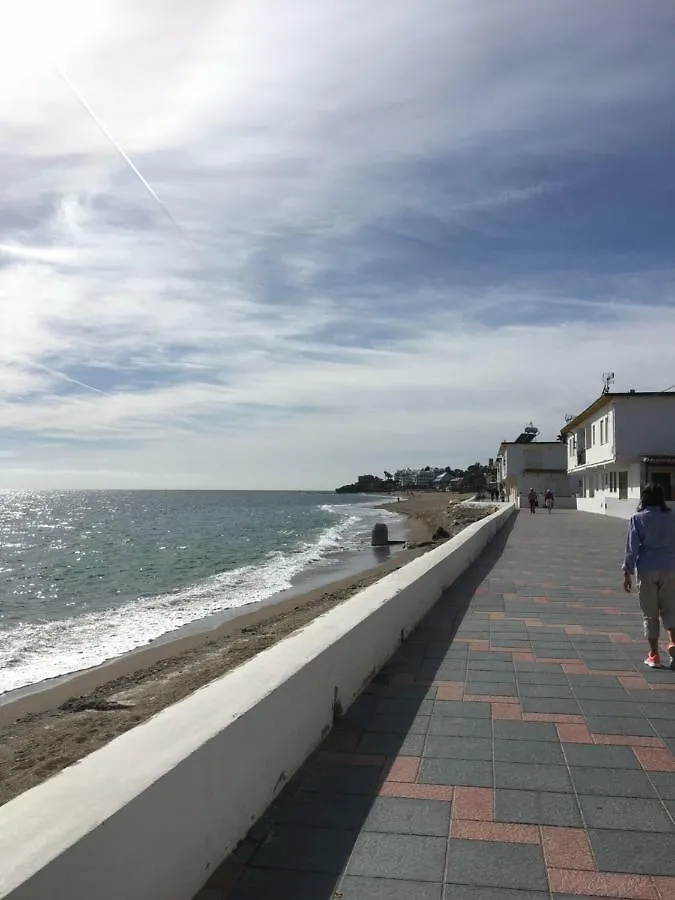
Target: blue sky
{"x":404,"y":229}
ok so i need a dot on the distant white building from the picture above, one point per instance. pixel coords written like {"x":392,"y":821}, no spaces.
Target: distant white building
{"x":618,"y":444}
{"x":541,"y":465}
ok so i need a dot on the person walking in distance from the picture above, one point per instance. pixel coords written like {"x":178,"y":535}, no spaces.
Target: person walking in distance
{"x":532,"y":500}
{"x":650,"y":551}
{"x":548,"y":499}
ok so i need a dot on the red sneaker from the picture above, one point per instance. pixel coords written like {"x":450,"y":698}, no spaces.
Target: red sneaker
{"x":653,"y":660}
{"x":671,"y":654}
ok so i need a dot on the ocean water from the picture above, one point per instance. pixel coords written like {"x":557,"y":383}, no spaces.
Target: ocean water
{"x":87,"y":575}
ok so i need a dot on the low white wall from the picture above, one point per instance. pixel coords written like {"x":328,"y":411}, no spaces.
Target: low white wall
{"x":152,"y":814}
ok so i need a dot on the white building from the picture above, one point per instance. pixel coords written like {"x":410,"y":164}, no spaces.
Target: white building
{"x":540,"y":465}
{"x":618,"y":444}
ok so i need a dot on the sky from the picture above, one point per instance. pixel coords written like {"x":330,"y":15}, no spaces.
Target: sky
{"x":251,"y":244}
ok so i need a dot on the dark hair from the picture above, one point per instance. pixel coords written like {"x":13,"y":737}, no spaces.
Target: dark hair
{"x":653,"y":495}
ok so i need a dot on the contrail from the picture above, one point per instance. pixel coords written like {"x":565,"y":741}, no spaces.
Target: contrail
{"x":55,"y":372}
{"x":125,"y":156}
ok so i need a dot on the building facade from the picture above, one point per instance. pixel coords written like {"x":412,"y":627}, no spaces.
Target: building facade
{"x":618,"y":444}
{"x":541,"y":465}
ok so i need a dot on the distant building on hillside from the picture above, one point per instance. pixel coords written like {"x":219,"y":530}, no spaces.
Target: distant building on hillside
{"x":619,"y":443}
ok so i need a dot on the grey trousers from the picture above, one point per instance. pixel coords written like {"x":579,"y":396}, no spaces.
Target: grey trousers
{"x":656,"y":591}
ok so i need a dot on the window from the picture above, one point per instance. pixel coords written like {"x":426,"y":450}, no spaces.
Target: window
{"x":593,"y":437}
{"x":602,"y":431}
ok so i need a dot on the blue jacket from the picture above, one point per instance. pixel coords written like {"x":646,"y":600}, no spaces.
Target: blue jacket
{"x":650,"y":545}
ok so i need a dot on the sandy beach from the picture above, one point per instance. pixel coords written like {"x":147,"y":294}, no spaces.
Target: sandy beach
{"x":48,"y":729}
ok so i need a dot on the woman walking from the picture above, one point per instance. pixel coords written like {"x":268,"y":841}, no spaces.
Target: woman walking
{"x":650,"y":550}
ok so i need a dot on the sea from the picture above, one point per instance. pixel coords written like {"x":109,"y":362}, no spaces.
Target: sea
{"x":88,"y":575}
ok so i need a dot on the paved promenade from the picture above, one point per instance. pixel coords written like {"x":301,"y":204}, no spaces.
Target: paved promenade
{"x":514,"y":748}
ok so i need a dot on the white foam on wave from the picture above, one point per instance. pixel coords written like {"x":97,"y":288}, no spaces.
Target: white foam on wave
{"x":33,"y":652}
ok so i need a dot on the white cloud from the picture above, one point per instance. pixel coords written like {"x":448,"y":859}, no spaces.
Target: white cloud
{"x":282,"y":137}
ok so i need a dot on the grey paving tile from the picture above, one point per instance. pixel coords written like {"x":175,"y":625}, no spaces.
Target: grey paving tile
{"x":586,"y":692}
{"x":601,"y":756}
{"x":626,"y":709}
{"x":555,"y":691}
{"x":532,"y":777}
{"x":481,"y":675}
{"x":458,"y":747}
{"x":619,"y":725}
{"x":465,"y":772}
{"x":393,"y":706}
{"x":460,"y":727}
{"x":545,"y":752}
{"x":356,"y":888}
{"x":493,"y":864}
{"x":344,"y":779}
{"x":664,"y":782}
{"x":391,"y":744}
{"x":469,"y":892}
{"x":611,"y":782}
{"x":261,"y":884}
{"x":324,"y":810}
{"x":402,"y":816}
{"x":550,"y":705}
{"x":398,"y":724}
{"x":664,"y":727}
{"x":524,"y":731}
{"x":625,"y":813}
{"x":634,"y":852}
{"x":408,"y":857}
{"x":537,"y":808}
{"x":496,"y":689}
{"x":461,"y":710}
{"x":535,"y":677}
{"x":305,"y":849}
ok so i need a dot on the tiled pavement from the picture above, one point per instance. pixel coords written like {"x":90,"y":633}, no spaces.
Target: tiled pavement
{"x":527,"y":755}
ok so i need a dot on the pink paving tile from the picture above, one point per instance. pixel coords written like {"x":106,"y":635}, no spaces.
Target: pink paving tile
{"x":655,"y":760}
{"x":663,"y":687}
{"x":523,"y":656}
{"x":620,"y":638}
{"x":351,"y":759}
{"x":634,"y":682}
{"x":450,"y":690}
{"x":665,"y":887}
{"x":576,"y":669}
{"x":507,"y":711}
{"x":475,"y":804}
{"x":573,"y":629}
{"x":574,"y":734}
{"x":629,"y":740}
{"x":416,"y":791}
{"x":494,"y":831}
{"x":496,"y":615}
{"x":558,"y":718}
{"x":566,"y":848}
{"x":600,"y":884}
{"x":403,"y":768}
{"x":341,"y":741}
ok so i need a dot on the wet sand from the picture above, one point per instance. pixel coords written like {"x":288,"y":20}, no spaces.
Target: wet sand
{"x":50,"y":726}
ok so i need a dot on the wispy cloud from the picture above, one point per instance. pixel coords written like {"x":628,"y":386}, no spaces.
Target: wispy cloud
{"x":403,"y":232}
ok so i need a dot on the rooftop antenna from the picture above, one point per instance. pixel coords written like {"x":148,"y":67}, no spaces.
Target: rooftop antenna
{"x":607,"y":381}
{"x":568,"y":418}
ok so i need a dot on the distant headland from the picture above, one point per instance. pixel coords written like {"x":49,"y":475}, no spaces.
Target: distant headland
{"x":429,"y":478}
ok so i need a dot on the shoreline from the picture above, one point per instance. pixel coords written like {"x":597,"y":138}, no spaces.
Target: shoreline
{"x":50,"y":725}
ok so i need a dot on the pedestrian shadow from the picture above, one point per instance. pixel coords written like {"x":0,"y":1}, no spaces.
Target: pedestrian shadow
{"x":366,"y":767}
